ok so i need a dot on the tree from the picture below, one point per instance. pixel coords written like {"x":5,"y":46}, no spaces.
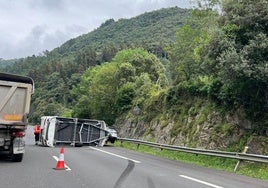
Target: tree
{"x":97,"y":92}
{"x":110,"y":89}
{"x":184,"y":65}
{"x":108,"y":53}
{"x":141,"y":61}
{"x":86,"y":58}
{"x":241,"y":52}
{"x":188,"y":56}
{"x":124,"y":97}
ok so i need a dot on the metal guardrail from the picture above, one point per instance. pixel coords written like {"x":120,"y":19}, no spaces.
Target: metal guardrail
{"x":232,"y":155}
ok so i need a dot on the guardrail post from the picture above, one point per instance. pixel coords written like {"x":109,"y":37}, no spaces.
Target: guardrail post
{"x":239,"y":161}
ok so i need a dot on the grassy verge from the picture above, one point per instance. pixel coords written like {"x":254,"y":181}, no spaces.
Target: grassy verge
{"x":255,"y":170}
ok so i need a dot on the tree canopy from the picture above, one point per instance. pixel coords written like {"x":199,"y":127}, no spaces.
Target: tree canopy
{"x":112,"y":88}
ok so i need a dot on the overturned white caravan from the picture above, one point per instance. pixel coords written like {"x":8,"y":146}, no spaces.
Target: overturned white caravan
{"x":74,"y":131}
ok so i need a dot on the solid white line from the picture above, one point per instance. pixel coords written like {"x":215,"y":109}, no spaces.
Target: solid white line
{"x":200,"y":181}
{"x":135,"y":161}
{"x":67,"y":167}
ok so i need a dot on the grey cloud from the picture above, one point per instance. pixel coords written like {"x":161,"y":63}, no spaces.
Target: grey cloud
{"x":31,"y":26}
{"x":47,"y":4}
{"x":41,"y":39}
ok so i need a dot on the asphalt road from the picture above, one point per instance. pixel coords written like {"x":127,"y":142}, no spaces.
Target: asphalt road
{"x":110,"y":167}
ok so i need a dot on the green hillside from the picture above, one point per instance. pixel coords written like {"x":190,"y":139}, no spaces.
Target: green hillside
{"x":58,"y":71}
{"x":157,"y":27}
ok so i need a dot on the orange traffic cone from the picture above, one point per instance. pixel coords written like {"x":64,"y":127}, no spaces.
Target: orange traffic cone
{"x":60,"y":163}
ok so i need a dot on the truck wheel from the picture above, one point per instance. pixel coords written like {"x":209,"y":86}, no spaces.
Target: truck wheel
{"x":17,"y":157}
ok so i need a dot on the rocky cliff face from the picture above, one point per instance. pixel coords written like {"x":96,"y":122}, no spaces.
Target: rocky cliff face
{"x":214,"y":131}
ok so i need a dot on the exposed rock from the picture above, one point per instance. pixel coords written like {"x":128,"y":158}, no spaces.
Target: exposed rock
{"x":238,"y":118}
{"x":216,"y":132}
{"x":258,"y":145}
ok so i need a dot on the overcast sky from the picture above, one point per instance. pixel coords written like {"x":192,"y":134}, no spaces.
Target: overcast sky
{"x":30,"y":27}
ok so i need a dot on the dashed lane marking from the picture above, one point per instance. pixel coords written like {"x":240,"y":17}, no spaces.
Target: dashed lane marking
{"x":200,"y":181}
{"x":122,"y":157}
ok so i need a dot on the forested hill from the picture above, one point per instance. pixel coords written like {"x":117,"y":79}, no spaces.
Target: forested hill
{"x":150,"y":29}
{"x":58,"y":71}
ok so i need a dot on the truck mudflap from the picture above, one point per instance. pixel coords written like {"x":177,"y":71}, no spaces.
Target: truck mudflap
{"x":19,"y":145}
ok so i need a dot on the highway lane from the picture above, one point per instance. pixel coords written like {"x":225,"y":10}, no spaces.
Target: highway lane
{"x":111,"y":167}
{"x":181,"y":173}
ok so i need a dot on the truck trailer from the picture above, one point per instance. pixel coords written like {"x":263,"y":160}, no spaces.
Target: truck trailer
{"x":15,"y":98}
{"x":57,"y":130}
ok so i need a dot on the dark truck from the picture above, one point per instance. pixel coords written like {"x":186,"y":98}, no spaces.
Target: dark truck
{"x":15,"y":97}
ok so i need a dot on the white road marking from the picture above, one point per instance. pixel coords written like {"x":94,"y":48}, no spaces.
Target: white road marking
{"x":122,"y":157}
{"x":67,"y":167}
{"x":200,"y":181}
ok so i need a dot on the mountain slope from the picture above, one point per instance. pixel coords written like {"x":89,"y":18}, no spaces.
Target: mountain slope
{"x":58,"y":71}
{"x":152,"y":27}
